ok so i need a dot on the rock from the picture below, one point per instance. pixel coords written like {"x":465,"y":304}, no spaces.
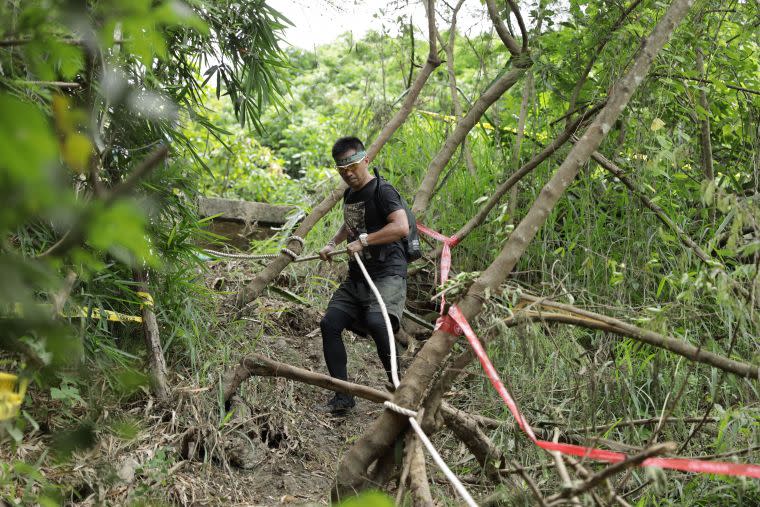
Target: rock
{"x":127,"y":470}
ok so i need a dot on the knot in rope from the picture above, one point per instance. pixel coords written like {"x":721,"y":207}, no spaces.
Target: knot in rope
{"x":295,"y":238}
{"x":290,"y":253}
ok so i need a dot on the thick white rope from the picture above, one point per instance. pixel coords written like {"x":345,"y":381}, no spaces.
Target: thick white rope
{"x":399,"y":409}
{"x":405,"y":411}
{"x":268,"y":256}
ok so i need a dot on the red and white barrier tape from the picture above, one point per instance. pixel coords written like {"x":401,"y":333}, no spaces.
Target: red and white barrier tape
{"x":456,"y":323}
{"x":448,"y":243}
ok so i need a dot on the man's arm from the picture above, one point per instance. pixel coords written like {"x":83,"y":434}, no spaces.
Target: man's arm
{"x":339,"y":238}
{"x":396,"y":228}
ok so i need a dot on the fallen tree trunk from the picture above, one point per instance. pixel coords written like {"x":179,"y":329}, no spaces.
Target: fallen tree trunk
{"x":254,"y":289}
{"x":265,"y":367}
{"x":386,"y":429}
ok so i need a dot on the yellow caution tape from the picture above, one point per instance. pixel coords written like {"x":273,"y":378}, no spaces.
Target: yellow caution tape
{"x":84,"y":312}
{"x":12,"y":393}
{"x":147,"y":298}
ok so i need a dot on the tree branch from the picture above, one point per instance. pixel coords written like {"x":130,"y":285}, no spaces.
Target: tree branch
{"x":611,"y":470}
{"x":576,"y":316}
{"x":504,"y":35}
{"x":523,"y":31}
{"x":76,"y":235}
{"x":275,"y":267}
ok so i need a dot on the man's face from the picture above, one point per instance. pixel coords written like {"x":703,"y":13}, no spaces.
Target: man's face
{"x":355,"y":173}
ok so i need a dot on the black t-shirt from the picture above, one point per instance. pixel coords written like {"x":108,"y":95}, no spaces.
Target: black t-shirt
{"x":367,"y":210}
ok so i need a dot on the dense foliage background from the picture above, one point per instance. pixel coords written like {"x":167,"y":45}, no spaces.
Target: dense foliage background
{"x":91,"y":92}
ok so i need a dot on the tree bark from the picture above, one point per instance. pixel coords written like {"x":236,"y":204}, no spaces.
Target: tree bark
{"x":265,"y":367}
{"x":504,"y":35}
{"x":418,"y":482}
{"x":456,"y":105}
{"x":254,"y":289}
{"x":386,"y":429}
{"x":152,"y":341}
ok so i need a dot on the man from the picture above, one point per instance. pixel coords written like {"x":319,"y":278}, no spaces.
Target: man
{"x":374,"y":222}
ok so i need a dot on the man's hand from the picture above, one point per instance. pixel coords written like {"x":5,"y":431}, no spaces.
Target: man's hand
{"x":324,"y":254}
{"x":354,"y":247}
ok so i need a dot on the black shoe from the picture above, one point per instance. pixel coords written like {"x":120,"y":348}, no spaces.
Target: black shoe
{"x":340,"y":404}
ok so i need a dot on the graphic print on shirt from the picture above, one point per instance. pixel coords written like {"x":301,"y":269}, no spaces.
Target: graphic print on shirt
{"x":353,"y":215}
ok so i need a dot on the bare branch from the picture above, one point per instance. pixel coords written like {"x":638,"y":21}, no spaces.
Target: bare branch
{"x":265,"y":367}
{"x":523,"y":31}
{"x":65,"y":85}
{"x":572,"y":315}
{"x":561,"y":469}
{"x":506,"y":38}
{"x":611,"y":470}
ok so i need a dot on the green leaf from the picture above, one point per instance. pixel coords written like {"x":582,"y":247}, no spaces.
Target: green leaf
{"x":27,"y":146}
{"x":120,"y":230}
{"x":77,"y":150}
{"x":68,"y":59}
{"x":368,"y":499}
